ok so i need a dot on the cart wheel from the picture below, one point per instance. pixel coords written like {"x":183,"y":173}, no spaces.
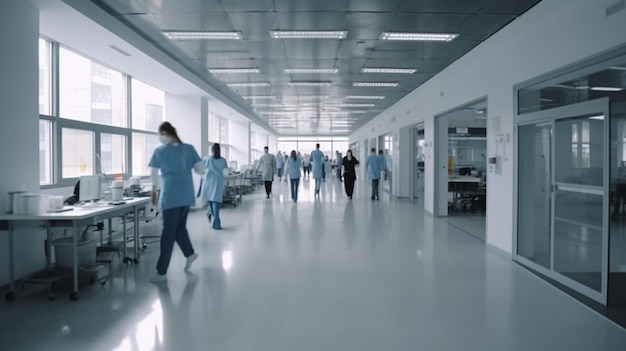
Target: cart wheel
{"x":136,"y":261}
{"x":10,"y":296}
{"x":128,"y":260}
{"x":74,"y":296}
{"x":145,"y":246}
{"x":51,"y":297}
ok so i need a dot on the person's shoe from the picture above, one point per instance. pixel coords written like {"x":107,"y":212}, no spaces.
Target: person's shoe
{"x":190,"y":260}
{"x":158,"y":278}
{"x":268,"y":196}
{"x":209,"y":217}
{"x":350,"y":197}
{"x":373,"y":198}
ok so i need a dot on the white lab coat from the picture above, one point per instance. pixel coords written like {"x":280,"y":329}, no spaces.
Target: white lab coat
{"x":267,"y":165}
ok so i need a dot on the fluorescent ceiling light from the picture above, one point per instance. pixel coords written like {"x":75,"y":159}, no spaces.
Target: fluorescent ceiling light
{"x":311,"y":70}
{"x":309,"y":34}
{"x":233,"y":70}
{"x":357,"y":105}
{"x":363,"y":97}
{"x":249,"y":84}
{"x":600,"y":117}
{"x":200,"y":35}
{"x":388,"y":70}
{"x":375,"y":84}
{"x":418,"y":36}
{"x":310,"y":84}
{"x":619,"y":68}
{"x":607,"y":88}
{"x":259,"y":97}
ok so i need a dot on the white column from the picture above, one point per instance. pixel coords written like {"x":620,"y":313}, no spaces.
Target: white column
{"x":19,"y":134}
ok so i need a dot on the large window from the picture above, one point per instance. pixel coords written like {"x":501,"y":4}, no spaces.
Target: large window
{"x":91,"y":119}
{"x":90,"y":92}
{"x":77,"y":152}
{"x":45,"y":152}
{"x":45,"y":66}
{"x":143,"y":147}
{"x":148,"y":106}
{"x":219,"y":130}
{"x":113,"y":153}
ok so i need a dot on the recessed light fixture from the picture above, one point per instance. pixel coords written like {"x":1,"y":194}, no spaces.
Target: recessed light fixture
{"x":612,"y":89}
{"x":233,"y":70}
{"x":388,"y":70}
{"x":375,"y":84}
{"x":200,"y":35}
{"x":599,"y":118}
{"x":249,"y":84}
{"x":310,"y":84}
{"x":357,"y":105}
{"x":311,"y":70}
{"x":418,"y":36}
{"x":259,"y":97}
{"x":309,"y":34}
{"x":364,"y":97}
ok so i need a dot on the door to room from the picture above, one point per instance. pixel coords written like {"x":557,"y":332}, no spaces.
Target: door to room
{"x":563,"y":196}
{"x":419,"y":162}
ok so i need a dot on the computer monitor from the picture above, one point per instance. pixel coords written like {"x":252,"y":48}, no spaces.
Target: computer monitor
{"x":89,"y":188}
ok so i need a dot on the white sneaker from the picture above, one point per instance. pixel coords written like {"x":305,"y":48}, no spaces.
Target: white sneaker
{"x":190,"y":260}
{"x":158,"y":279}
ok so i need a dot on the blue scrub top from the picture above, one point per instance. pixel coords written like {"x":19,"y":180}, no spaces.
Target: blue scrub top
{"x":213,"y":181}
{"x":280,"y":161}
{"x":318,"y":162}
{"x":175,"y":163}
{"x":294,"y":168}
{"x":374,"y":166}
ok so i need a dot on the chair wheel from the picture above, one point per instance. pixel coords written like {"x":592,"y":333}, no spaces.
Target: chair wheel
{"x":10,"y":296}
{"x":74,"y":296}
{"x":127,"y":260}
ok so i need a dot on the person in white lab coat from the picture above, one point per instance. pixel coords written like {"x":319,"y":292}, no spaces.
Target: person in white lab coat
{"x":268,"y":165}
{"x":213,"y":184}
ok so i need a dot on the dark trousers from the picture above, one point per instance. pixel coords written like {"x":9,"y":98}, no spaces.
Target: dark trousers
{"x":268,"y":187}
{"x":294,"y":188}
{"x":307,"y":170}
{"x":174,"y":230}
{"x":375,"y":183}
{"x":348,"y":183}
{"x":280,"y":172}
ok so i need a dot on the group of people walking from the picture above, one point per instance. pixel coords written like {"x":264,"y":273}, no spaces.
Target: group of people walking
{"x":171,"y":168}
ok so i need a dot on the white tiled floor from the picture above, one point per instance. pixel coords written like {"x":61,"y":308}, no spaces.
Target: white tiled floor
{"x":331,"y":274}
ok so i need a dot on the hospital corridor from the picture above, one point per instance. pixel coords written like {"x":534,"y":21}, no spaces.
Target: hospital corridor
{"x":324,"y":273}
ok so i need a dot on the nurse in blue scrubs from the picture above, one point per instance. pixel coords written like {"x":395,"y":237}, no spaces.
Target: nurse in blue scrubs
{"x":213,"y":184}
{"x":175,"y":160}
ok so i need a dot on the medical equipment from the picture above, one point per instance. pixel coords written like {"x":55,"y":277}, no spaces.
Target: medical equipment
{"x":89,"y":188}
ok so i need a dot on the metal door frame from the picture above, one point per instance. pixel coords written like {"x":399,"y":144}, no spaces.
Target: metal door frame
{"x":552,"y":116}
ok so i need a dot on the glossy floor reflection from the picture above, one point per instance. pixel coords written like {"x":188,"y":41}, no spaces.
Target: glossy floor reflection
{"x":322,"y":274}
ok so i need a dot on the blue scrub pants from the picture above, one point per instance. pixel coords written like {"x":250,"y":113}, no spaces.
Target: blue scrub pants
{"x":318,"y":184}
{"x":294,"y":188}
{"x":375,"y":183}
{"x":214,"y":210}
{"x":174,"y":230}
{"x":280,"y":173}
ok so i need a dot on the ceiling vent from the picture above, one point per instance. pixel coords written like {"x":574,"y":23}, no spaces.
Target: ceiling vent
{"x":119,"y":50}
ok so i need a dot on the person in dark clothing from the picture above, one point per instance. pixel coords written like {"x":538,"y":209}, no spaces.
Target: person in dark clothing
{"x":349,"y":164}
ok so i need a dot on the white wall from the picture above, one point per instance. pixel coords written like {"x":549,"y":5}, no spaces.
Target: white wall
{"x":553,"y":34}
{"x":240,"y":140}
{"x":187,"y":115}
{"x":19,"y":35}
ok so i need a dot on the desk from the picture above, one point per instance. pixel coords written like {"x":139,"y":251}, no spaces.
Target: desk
{"x":81,"y":215}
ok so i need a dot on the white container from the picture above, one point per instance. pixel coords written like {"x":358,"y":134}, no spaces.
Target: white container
{"x":30,"y":204}
{"x":56,"y":202}
{"x":13,"y":195}
{"x":135,"y":181}
{"x":117,"y":190}
{"x":64,"y":256}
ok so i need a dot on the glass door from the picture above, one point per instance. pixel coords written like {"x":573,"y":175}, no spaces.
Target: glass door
{"x":563,"y":193}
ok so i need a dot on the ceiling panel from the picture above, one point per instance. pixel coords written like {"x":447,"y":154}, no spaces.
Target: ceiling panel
{"x":305,"y":49}
{"x":366,"y":26}
{"x":254,"y":25}
{"x":308,"y":5}
{"x":375,"y":5}
{"x":443,"y":6}
{"x":311,"y":20}
{"x":246,"y":5}
{"x":406,"y":22}
{"x":365,"y":20}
